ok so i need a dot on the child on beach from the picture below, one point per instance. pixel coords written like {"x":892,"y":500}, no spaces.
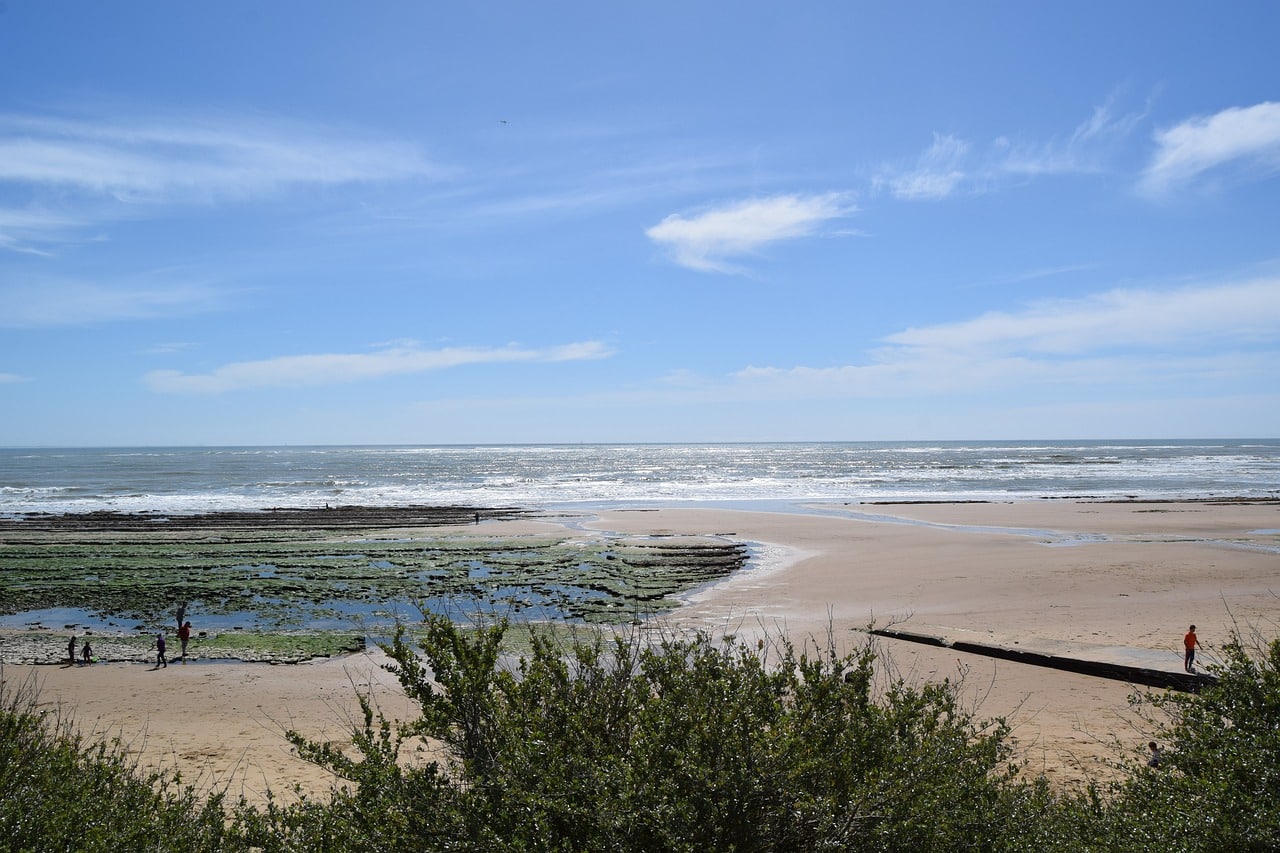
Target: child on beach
{"x":184,"y":636}
{"x":160,"y":659}
{"x":86,"y":653}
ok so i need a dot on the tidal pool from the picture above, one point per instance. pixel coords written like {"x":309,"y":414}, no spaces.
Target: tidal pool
{"x":280,"y":579}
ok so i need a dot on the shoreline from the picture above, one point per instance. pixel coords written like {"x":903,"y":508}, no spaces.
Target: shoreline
{"x":981,"y":571}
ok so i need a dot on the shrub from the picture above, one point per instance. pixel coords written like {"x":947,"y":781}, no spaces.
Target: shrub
{"x":1218,"y":784}
{"x":619,"y":743}
{"x":61,"y":791}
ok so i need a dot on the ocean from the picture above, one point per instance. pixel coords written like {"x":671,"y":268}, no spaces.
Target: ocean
{"x":200,"y":479}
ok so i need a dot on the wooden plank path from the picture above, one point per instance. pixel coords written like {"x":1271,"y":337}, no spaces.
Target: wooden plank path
{"x":1121,"y":663}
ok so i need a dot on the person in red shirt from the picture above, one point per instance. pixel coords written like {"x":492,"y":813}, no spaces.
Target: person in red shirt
{"x":184,"y":636}
{"x":1190,"y":643}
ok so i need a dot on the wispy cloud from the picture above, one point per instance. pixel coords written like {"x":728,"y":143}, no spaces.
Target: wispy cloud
{"x":709,"y":240}
{"x":952,"y":165}
{"x":46,"y":302}
{"x":1246,"y":138}
{"x":9,"y":378}
{"x":1120,"y":319}
{"x":211,"y":155}
{"x":1226,"y":330}
{"x":89,"y":167}
{"x":937,"y":173}
{"x":1086,"y":150}
{"x":336,"y":368}
{"x":26,"y":231}
{"x":1031,"y":275}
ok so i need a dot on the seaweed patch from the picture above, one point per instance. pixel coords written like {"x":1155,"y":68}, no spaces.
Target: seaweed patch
{"x":118,"y":575}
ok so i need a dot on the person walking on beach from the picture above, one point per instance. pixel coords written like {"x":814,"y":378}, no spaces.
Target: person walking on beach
{"x":1190,"y":642}
{"x":86,"y":653}
{"x":71,"y":649}
{"x":184,"y":637}
{"x":160,"y":659}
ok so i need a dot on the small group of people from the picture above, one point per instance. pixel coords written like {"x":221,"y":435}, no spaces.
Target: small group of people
{"x":184,"y":637}
{"x":86,"y":653}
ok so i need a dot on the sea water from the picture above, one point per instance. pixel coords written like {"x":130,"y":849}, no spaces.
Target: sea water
{"x":200,"y":479}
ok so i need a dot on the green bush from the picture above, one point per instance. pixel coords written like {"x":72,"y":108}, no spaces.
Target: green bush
{"x":680,"y":743}
{"x":618,"y":743}
{"x":61,"y":791}
{"x":1218,"y":784}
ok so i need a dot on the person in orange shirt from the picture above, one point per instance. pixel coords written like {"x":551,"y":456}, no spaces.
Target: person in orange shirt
{"x":1190,"y":642}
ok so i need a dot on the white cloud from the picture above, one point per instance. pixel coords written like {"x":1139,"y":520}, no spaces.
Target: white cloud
{"x":1118,"y":319}
{"x":1245,"y":137}
{"x":937,"y":174}
{"x":951,"y":164}
{"x":8,"y":378}
{"x":204,"y":156}
{"x":77,"y":171}
{"x":335,"y":368}
{"x":710,"y":239}
{"x":1085,"y":151}
{"x":1107,"y":339}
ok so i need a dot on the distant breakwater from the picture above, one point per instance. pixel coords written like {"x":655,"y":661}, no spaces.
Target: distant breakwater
{"x":297,"y":518}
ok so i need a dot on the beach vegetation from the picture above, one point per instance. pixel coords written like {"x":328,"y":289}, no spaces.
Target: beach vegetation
{"x":64,"y":790}
{"x":622,"y":741}
{"x":1217,"y":784}
{"x":647,"y":739}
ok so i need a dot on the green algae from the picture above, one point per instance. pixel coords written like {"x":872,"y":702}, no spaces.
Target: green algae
{"x":46,"y":647}
{"x":282,"y":581}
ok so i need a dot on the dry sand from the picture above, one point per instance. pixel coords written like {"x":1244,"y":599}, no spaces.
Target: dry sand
{"x":1101,"y":579}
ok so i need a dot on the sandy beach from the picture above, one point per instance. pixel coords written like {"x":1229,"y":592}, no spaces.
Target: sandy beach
{"x":1093,"y":578}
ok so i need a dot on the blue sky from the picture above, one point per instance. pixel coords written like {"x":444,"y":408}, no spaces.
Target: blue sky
{"x":332,"y":222}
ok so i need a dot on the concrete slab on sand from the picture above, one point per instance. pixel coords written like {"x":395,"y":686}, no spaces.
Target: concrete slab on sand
{"x":1148,"y":667}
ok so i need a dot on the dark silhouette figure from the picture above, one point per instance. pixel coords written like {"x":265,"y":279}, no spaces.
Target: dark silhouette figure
{"x":86,"y":653}
{"x":160,"y":658}
{"x":71,"y":650}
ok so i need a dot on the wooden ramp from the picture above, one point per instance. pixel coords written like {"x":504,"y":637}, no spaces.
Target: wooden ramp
{"x":1134,"y":666}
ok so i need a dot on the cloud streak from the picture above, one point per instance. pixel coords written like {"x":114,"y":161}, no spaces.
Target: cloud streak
{"x":1247,"y":138}
{"x":953,"y":165}
{"x":1086,"y":151}
{"x":710,"y":240}
{"x":213,"y":156}
{"x":1225,"y":332}
{"x":48,"y":303}
{"x":337,"y":368}
{"x":81,"y":170}
{"x":937,"y":174}
{"x":1118,"y":319}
